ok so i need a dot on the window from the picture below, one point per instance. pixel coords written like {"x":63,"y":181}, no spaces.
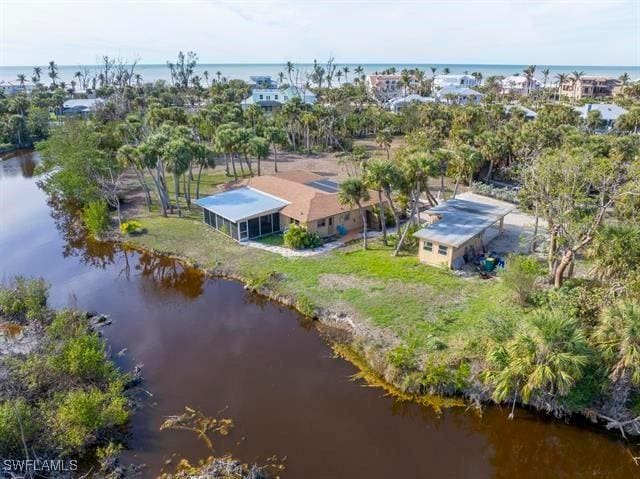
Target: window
{"x":294,"y":221}
{"x":331,"y":221}
{"x":244,"y":232}
{"x":261,"y":97}
{"x":443,"y":250}
{"x":347,"y":215}
{"x":276,"y":97}
{"x":286,"y":98}
{"x":427,"y":246}
{"x":321,"y":223}
{"x":268,"y":97}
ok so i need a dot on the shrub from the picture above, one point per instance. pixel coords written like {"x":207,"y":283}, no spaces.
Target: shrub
{"x":410,"y":243}
{"x":16,"y":416}
{"x":520,"y":275}
{"x":79,"y":416}
{"x":299,"y":237}
{"x":24,"y":299}
{"x":84,"y":358}
{"x":498,"y":192}
{"x":96,"y":217}
{"x":130,"y":227}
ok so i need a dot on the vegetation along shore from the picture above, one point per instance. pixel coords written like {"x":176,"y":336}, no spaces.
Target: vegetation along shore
{"x":557,"y":329}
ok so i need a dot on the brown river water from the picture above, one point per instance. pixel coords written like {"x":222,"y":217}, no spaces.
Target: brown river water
{"x":209,"y":344}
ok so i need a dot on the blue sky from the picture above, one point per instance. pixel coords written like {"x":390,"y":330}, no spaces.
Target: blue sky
{"x":585,"y":32}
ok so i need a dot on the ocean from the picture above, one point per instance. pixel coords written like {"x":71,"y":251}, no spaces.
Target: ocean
{"x":244,"y":71}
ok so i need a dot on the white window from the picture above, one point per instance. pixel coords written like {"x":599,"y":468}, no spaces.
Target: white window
{"x":443,"y":250}
{"x":427,"y":246}
{"x":322,"y":223}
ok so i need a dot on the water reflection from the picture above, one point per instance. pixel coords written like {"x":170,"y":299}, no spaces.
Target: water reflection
{"x":23,"y":163}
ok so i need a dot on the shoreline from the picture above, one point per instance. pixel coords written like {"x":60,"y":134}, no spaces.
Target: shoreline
{"x":359,"y":348}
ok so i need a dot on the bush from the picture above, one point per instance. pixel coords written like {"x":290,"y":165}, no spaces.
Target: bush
{"x":84,"y":357}
{"x":79,"y":415}
{"x":299,"y":237}
{"x":520,"y":275}
{"x":410,"y":242}
{"x":16,"y":415}
{"x":130,"y":227}
{"x":24,"y":299}
{"x":498,"y":192}
{"x":96,"y":217}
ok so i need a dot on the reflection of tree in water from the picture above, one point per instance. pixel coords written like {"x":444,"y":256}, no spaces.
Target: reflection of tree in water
{"x":77,"y":242}
{"x":169,"y":274}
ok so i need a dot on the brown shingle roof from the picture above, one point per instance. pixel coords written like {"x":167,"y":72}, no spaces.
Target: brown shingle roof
{"x":306,"y":203}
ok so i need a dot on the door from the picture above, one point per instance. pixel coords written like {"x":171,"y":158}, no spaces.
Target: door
{"x":330,"y":228}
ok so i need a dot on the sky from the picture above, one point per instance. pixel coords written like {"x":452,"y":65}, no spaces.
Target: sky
{"x":551,"y":32}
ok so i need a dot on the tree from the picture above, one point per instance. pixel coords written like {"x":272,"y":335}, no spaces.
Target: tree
{"x":353,"y":192}
{"x":543,"y":361}
{"x":383,"y":139}
{"x":575,"y":81}
{"x":259,"y":147}
{"x":379,"y":175}
{"x":521,"y":275}
{"x":22,"y":78}
{"x":276,"y":137}
{"x":205,"y":157}
{"x":562,"y":78}
{"x":617,"y":336}
{"x":630,"y":121}
{"x":464,"y":163}
{"x":53,"y":73}
{"x":37,"y":73}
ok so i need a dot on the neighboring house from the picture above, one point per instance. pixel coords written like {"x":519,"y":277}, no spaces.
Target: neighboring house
{"x":609,"y":113}
{"x":272,"y":99}
{"x":458,"y":95}
{"x":81,"y":106}
{"x":10,"y":88}
{"x":519,"y":85}
{"x":459,"y":229}
{"x":397,"y":104}
{"x":267,"y":204}
{"x":460,"y":81}
{"x":528,"y":114}
{"x":386,"y":87}
{"x":263,"y":81}
{"x":590,"y":87}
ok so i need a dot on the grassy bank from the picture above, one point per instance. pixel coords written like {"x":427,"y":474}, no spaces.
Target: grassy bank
{"x":416,"y":315}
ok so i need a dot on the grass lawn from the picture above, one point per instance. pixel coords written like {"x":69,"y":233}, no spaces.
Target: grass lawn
{"x":275,"y":239}
{"x":421,"y":305}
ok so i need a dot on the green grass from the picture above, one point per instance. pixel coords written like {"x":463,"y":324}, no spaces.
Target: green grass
{"x":415,"y":302}
{"x":275,"y":239}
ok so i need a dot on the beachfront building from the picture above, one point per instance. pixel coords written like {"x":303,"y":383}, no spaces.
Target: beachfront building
{"x":458,"y":96}
{"x":527,"y":112}
{"x":81,"y":106}
{"x":459,"y":229}
{"x":609,"y":113}
{"x":590,"y":87}
{"x":386,"y":87}
{"x":11,"y":88}
{"x":272,"y":99}
{"x":454,"y":81}
{"x":397,"y":104}
{"x":519,"y":85}
{"x":267,"y":204}
{"x":263,"y":81}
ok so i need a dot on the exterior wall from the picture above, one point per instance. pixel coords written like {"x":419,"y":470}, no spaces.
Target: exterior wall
{"x":354,"y":221}
{"x":433,"y":257}
{"x":590,"y":87}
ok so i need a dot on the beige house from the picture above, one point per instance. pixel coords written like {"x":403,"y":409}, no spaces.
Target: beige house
{"x":262,"y":205}
{"x":387,"y":87}
{"x":459,"y":228}
{"x":590,"y":87}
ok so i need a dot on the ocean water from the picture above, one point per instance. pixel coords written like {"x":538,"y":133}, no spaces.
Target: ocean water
{"x":151,"y":73}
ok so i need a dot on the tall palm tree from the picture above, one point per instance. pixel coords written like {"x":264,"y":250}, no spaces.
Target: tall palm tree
{"x":433,"y":72}
{"x":575,"y":81}
{"x":22,"y":78}
{"x":37,"y":72}
{"x":446,"y":70}
{"x":562,"y":78}
{"x":219,"y":75}
{"x":380,"y":175}
{"x":353,"y":192}
{"x":624,"y":78}
{"x":359,"y":71}
{"x":53,"y":73}
{"x":529,"y":73}
{"x":345,"y":70}
{"x":339,"y":76}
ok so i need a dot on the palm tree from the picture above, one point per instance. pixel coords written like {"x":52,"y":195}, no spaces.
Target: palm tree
{"x":380,"y":175}
{"x":53,"y":72}
{"x":205,"y":74}
{"x":37,"y":72}
{"x":562,"y":78}
{"x":529,"y":75}
{"x":617,"y":336}
{"x":138,"y":79}
{"x":433,"y":72}
{"x":345,"y":70}
{"x":219,"y":75}
{"x":339,"y":75}
{"x":22,"y":78}
{"x":624,"y":78}
{"x":359,"y":71}
{"x":280,"y":78}
{"x":353,"y":192}
{"x":575,"y":79}
{"x":446,"y":70}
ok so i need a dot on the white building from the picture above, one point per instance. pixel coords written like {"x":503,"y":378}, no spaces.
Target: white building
{"x":397,"y":104}
{"x":386,"y":87}
{"x":273,"y":98}
{"x":609,"y":113}
{"x":11,"y":88}
{"x":458,"y":95}
{"x":81,"y":106}
{"x":460,"y":81}
{"x":519,"y":85}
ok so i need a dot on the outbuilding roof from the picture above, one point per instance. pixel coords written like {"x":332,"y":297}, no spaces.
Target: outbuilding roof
{"x":608,"y":111}
{"x":462,"y":219}
{"x":241,"y":203}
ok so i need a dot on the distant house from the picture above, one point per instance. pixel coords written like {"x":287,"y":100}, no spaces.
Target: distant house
{"x":81,"y":106}
{"x":519,"y":85}
{"x":263,"y":81}
{"x":590,"y":87}
{"x":397,"y":104}
{"x":10,"y":88}
{"x":386,"y":87}
{"x":459,"y":229}
{"x":266,"y":204}
{"x":609,"y":113}
{"x":528,"y":113}
{"x":458,"y":95}
{"x":272,"y":99}
{"x":460,"y":81}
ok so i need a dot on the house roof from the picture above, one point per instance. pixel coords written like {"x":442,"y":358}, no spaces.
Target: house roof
{"x":609,"y":111}
{"x":458,"y":91}
{"x":308,"y":196}
{"x":527,"y":112}
{"x":82,"y":103}
{"x":463,"y":218}
{"x":241,"y":203}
